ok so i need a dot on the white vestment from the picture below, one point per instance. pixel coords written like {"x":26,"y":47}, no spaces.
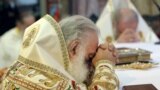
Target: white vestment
{"x":43,"y":63}
{"x":9,"y":47}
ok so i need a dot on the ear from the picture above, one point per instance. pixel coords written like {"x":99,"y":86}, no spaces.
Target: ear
{"x":73,"y":47}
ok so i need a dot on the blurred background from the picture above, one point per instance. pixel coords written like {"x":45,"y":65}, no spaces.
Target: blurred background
{"x":149,"y":9}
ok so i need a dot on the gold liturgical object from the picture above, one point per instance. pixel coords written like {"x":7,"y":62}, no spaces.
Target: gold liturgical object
{"x":129,"y":55}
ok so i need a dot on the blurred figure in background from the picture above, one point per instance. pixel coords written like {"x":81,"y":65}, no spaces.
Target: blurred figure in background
{"x":121,"y":22}
{"x":11,"y":40}
{"x":8,"y":12}
{"x":126,"y":26}
{"x":32,"y":4}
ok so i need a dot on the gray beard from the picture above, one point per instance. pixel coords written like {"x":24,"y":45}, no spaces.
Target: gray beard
{"x":79,"y":69}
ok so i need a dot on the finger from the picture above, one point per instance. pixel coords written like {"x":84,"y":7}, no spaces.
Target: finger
{"x":130,"y":32}
{"x":109,"y":39}
{"x":130,"y":40}
{"x":111,"y":47}
{"x":115,"y":54}
{"x":103,"y":46}
{"x":117,"y":60}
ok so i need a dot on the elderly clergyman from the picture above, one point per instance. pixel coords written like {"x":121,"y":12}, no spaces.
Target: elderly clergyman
{"x":120,"y":22}
{"x":54,"y":58}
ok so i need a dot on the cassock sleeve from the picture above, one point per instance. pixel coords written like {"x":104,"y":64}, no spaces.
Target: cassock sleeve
{"x":104,"y":77}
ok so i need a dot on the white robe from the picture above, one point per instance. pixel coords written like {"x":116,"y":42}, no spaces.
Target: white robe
{"x":9,"y":47}
{"x":44,"y":62}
